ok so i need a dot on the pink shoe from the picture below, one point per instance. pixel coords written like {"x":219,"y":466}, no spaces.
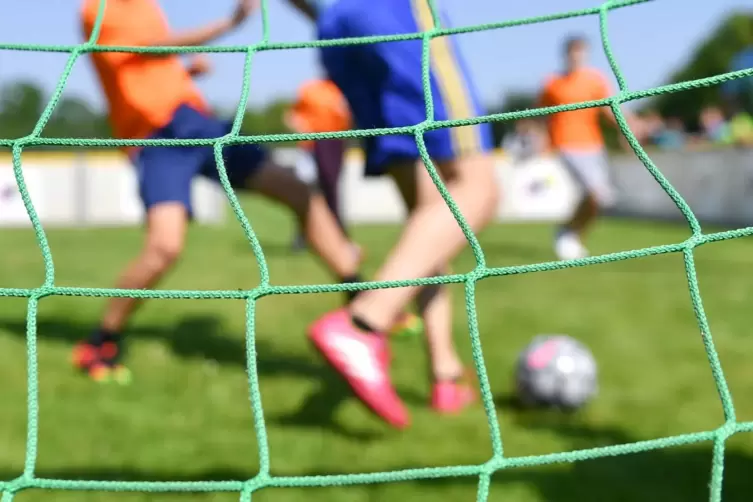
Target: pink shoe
{"x":453,"y":396}
{"x":363,"y":360}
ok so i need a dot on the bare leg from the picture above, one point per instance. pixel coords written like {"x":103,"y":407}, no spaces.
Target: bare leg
{"x":318,"y":223}
{"x":434,"y":304}
{"x":584,"y":216}
{"x":165,"y":236}
{"x":328,"y":155}
{"x":431,"y":237}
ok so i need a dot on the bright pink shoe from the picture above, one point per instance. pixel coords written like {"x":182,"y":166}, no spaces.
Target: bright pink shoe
{"x":363,"y":359}
{"x":452,"y":396}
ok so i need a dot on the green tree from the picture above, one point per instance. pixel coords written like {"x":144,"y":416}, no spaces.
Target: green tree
{"x":711,"y":57}
{"x":21,"y":104}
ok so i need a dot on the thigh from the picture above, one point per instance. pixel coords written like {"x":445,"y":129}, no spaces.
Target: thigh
{"x":166,"y":225}
{"x":281,"y":185}
{"x":414,"y":184}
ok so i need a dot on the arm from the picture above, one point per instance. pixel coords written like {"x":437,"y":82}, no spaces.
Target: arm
{"x":209,"y":32}
{"x":305,"y":7}
{"x":188,"y":38}
{"x":199,"y":65}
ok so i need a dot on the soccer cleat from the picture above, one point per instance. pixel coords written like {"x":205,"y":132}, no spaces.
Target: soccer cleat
{"x":85,"y":356}
{"x":363,"y":360}
{"x":101,"y":363}
{"x":408,"y":325}
{"x":453,"y":396}
{"x":568,"y":246}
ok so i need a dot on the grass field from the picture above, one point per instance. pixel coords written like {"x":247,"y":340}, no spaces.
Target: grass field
{"x":187,"y":415}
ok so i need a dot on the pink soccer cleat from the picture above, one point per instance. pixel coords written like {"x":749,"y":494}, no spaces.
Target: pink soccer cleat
{"x":363,"y":360}
{"x":453,"y":396}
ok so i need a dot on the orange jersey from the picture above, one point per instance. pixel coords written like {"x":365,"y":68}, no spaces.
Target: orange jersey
{"x":142,"y":91}
{"x":577,"y":129}
{"x":320,"y":107}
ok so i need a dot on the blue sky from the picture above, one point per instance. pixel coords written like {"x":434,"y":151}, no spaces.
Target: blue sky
{"x":649,"y":41}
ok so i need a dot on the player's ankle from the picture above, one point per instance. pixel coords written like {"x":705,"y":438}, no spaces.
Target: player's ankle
{"x":102,"y":335}
{"x":448,"y":373}
{"x":351,"y":279}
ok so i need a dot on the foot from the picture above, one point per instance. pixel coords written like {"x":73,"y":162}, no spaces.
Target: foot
{"x":568,"y":246}
{"x":408,"y":325}
{"x":362,"y":358}
{"x":453,"y":396}
{"x":101,"y":362}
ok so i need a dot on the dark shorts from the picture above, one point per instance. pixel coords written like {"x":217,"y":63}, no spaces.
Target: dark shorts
{"x":384,"y":86}
{"x":165,"y":173}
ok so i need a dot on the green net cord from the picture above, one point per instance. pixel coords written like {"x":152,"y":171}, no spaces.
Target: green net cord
{"x":264,"y":478}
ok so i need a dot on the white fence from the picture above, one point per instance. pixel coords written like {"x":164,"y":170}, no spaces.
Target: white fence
{"x":100,"y":189}
{"x":90,"y":189}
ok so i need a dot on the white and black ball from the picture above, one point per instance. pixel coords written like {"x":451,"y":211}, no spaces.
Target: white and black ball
{"x":556,"y":371}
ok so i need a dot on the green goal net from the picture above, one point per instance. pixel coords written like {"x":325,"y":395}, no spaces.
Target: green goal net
{"x":483,"y":472}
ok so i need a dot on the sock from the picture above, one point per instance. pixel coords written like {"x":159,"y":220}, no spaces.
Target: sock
{"x":362,"y":325}
{"x":351,"y":279}
{"x":102,"y":336}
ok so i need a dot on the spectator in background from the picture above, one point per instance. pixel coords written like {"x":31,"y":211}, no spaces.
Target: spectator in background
{"x":714,"y":127}
{"x":528,"y":140}
{"x":673,"y":137}
{"x":741,"y":130}
{"x":738,"y":101}
{"x":666,"y":134}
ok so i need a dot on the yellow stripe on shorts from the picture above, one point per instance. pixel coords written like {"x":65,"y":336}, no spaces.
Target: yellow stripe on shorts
{"x":452,"y":87}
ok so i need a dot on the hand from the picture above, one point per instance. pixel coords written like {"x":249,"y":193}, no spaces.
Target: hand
{"x":199,"y":65}
{"x":243,"y":9}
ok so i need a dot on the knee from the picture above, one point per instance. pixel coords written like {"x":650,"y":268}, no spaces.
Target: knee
{"x":300,"y":202}
{"x":486,"y":185}
{"x":161,"y":254}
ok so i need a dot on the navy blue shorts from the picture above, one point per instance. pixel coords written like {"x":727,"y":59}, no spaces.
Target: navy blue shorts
{"x":383,"y":82}
{"x":165,"y":172}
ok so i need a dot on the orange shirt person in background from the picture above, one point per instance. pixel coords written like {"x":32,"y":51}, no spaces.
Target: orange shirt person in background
{"x":321,"y":107}
{"x":153,"y":96}
{"x":576,"y":136}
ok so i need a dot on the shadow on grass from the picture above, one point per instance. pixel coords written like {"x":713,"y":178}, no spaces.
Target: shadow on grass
{"x":200,"y":337}
{"x":670,"y":475}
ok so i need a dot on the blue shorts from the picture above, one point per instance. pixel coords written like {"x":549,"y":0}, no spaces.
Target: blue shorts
{"x":165,"y":172}
{"x":383,"y":82}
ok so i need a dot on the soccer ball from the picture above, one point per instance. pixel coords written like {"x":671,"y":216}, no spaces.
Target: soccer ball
{"x":556,"y":371}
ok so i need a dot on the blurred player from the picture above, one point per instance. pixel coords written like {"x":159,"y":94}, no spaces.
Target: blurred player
{"x":321,"y":107}
{"x":577,"y":137}
{"x":153,"y":96}
{"x":383,"y":86}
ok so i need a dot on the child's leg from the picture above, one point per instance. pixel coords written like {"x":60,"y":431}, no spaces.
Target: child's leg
{"x":165,"y":182}
{"x":314,"y":216}
{"x":433,"y":302}
{"x":328,"y":156}
{"x":431,"y":238}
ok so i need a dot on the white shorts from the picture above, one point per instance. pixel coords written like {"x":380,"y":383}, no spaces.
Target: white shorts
{"x":589,"y":170}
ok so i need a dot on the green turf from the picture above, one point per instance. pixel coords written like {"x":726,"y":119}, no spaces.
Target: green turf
{"x":187,"y":415}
